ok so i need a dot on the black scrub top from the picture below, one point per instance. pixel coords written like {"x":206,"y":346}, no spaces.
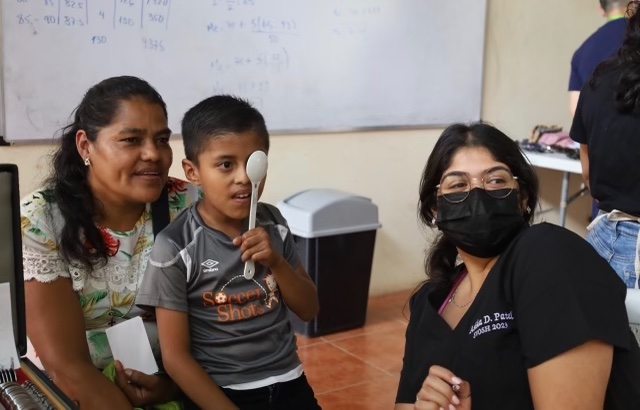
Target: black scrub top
{"x":548,"y":293}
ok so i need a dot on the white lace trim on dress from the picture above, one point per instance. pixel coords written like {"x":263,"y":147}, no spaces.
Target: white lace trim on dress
{"x":43,"y":267}
{"x":115,"y":276}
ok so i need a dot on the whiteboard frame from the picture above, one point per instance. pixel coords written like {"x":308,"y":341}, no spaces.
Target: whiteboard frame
{"x":2,"y":139}
{"x":54,"y":139}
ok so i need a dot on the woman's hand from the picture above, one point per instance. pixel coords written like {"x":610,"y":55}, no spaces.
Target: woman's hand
{"x":55,"y":325}
{"x":439,"y":391}
{"x":145,"y":389}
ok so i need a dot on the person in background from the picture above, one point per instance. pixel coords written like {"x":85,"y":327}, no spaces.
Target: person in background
{"x":532,"y":317}
{"x":598,"y":47}
{"x":607,"y":126}
{"x":87,"y":234}
{"x":226,"y":340}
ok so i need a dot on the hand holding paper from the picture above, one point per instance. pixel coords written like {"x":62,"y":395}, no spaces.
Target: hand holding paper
{"x":130,"y":345}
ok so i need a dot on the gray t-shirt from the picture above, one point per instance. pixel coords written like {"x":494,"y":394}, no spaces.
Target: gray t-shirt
{"x":239,"y":328}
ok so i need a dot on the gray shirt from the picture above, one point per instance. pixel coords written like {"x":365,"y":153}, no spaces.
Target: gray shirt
{"x":239,"y":328}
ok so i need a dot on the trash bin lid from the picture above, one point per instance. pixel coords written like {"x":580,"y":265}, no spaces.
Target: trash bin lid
{"x":323,"y":212}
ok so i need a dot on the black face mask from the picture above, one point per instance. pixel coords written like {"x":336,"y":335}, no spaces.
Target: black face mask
{"x":481,"y":225}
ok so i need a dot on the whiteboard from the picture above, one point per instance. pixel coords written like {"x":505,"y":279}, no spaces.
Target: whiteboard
{"x":306,"y":65}
{"x":1,"y":77}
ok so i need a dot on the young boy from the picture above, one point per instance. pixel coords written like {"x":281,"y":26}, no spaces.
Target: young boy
{"x":225,"y":340}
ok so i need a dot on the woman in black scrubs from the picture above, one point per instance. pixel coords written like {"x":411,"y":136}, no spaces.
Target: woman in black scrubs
{"x":512,"y":316}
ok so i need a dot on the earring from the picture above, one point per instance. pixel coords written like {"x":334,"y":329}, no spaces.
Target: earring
{"x":528,"y":209}
{"x":433,"y":220}
{"x":87,"y":162}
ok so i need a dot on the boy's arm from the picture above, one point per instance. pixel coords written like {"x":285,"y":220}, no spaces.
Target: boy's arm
{"x":186,"y":372}
{"x":297,"y":288}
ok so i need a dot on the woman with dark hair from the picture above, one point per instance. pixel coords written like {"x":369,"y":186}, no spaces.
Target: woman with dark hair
{"x":87,"y":235}
{"x":512,"y":316}
{"x":607,"y":126}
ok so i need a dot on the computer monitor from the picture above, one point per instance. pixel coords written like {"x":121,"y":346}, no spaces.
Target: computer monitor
{"x":11,"y":249}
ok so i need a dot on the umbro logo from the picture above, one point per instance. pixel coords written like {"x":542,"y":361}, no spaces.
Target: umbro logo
{"x":210,"y":265}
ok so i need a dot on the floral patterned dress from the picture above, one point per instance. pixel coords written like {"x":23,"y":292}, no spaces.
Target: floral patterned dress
{"x":107,"y":294}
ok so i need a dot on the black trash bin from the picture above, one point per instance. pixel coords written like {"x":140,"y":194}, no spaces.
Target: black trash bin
{"x":335,"y":233}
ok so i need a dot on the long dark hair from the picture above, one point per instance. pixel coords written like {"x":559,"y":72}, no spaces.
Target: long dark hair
{"x":627,"y":60}
{"x":441,"y":259}
{"x":68,"y":179}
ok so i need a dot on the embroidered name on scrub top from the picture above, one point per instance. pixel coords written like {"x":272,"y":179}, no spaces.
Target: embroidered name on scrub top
{"x":491,"y":323}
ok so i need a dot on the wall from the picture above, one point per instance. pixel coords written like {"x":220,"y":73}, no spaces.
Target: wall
{"x":527,"y":60}
{"x":528,"y":49}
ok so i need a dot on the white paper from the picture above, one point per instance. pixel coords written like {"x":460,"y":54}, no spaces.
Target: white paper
{"x":8,"y":353}
{"x":633,"y":305}
{"x":130,"y":345}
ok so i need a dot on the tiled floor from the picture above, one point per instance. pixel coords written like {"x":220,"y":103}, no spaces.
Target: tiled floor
{"x":359,"y":369}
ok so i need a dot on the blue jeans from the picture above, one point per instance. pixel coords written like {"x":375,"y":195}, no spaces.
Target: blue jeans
{"x":616,"y":242}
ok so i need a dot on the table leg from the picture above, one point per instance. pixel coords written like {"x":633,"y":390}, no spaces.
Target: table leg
{"x":564,"y":194}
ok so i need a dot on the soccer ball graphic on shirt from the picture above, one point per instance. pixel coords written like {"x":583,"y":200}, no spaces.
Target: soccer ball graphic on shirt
{"x":220,"y":298}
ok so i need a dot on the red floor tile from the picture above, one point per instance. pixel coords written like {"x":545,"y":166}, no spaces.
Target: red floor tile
{"x":304,"y":341}
{"x":383,"y":350}
{"x":376,"y":394}
{"x":328,"y":367}
{"x":359,"y":368}
{"x":378,"y":327}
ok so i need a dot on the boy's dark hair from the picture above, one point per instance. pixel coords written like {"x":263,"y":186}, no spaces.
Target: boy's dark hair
{"x":217,"y":116}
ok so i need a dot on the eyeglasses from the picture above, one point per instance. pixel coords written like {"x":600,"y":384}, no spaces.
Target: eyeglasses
{"x":497,"y":182}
